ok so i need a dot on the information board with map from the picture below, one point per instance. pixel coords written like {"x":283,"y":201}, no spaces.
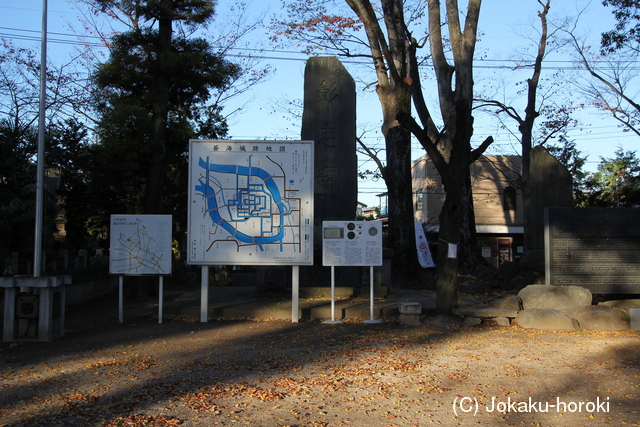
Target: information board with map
{"x":250,"y":202}
{"x":140,"y":245}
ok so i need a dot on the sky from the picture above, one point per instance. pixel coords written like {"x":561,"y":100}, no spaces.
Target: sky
{"x":505,"y":35}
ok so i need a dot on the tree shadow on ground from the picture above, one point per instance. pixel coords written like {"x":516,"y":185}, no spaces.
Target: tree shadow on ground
{"x":273,"y":372}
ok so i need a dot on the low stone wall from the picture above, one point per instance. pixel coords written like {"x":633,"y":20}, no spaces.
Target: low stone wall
{"x":90,"y":283}
{"x":552,"y":307}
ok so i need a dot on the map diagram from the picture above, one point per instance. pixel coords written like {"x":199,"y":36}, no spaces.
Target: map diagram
{"x":140,"y":245}
{"x":250,"y":202}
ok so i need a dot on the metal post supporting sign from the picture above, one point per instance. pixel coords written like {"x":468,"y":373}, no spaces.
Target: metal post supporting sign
{"x":333,"y":320}
{"x":372,"y":319}
{"x":121,"y":298}
{"x":295,"y":293}
{"x":204,"y":294}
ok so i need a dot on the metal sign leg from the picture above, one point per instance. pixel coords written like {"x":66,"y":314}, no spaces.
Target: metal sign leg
{"x":160,"y":297}
{"x":295,"y":293}
{"x":372,"y":297}
{"x":333,"y":320}
{"x":204,"y":294}
{"x":120,"y":309}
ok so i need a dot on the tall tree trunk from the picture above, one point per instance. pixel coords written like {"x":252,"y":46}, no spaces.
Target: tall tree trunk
{"x":456,"y":210}
{"x":395,"y":96}
{"x":158,"y":143}
{"x":527,"y":217}
{"x":400,"y":204}
{"x":451,"y":221}
{"x":469,"y":256}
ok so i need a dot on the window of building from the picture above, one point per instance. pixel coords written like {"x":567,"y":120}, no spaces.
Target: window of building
{"x":419,"y":203}
{"x":509,"y":201}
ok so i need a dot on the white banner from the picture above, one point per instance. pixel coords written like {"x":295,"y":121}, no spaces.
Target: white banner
{"x":424,"y":255}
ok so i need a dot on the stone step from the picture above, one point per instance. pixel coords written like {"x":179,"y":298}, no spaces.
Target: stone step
{"x":378,"y":291}
{"x":325,"y":292}
{"x":485,"y":313}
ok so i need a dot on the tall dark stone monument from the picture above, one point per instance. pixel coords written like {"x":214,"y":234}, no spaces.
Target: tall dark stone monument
{"x":551,"y":186}
{"x":329,"y":119}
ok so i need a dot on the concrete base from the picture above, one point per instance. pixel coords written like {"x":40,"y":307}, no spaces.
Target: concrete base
{"x":33,"y":308}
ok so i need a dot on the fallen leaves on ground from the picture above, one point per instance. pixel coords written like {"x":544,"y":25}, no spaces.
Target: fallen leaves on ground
{"x":310,"y":374}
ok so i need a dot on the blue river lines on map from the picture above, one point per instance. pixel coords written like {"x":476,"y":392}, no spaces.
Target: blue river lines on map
{"x":248,"y":201}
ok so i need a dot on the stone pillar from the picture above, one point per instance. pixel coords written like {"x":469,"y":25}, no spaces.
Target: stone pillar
{"x":551,"y":186}
{"x":329,"y":119}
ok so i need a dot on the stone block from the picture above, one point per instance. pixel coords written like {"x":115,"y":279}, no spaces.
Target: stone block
{"x":410,"y":313}
{"x":562,"y":298}
{"x":622,"y":303}
{"x":546,"y":319}
{"x":601,"y":318}
{"x":410,"y":308}
{"x":409,"y":320}
{"x":512,"y":302}
{"x":502,"y":321}
{"x":485,"y":313}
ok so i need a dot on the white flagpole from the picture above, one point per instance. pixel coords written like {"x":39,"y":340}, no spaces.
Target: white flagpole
{"x":37,"y":251}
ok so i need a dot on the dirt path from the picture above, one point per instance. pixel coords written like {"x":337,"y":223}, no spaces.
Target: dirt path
{"x":275,"y":373}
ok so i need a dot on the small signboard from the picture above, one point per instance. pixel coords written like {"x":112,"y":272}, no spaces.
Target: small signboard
{"x":351,"y":243}
{"x":140,"y":245}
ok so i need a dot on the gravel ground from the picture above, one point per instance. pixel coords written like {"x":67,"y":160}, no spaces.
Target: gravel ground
{"x":267,"y":372}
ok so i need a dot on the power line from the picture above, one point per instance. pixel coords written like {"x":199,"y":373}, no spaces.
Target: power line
{"x":36,"y":37}
{"x":49,"y":33}
{"x":494,"y":64}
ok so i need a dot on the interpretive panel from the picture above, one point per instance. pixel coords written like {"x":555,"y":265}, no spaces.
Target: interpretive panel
{"x":351,"y":243}
{"x":597,"y":248}
{"x":250,"y":202}
{"x":140,"y":245}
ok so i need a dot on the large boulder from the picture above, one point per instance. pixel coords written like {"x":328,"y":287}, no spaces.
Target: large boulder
{"x":622,"y":303}
{"x":546,"y":319}
{"x":561,"y":298}
{"x":601,"y":318}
